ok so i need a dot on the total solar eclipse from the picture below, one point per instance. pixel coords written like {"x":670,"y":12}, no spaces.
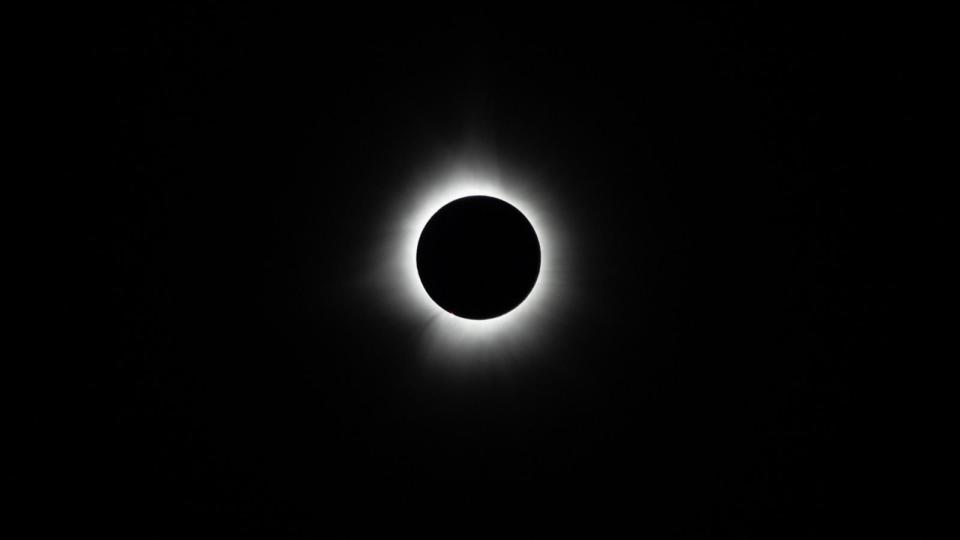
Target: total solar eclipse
{"x":478,"y":257}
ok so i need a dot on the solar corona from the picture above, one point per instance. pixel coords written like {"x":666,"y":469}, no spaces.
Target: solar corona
{"x":476,"y":260}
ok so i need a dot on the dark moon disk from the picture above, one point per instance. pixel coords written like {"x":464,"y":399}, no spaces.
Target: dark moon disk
{"x":478,"y":257}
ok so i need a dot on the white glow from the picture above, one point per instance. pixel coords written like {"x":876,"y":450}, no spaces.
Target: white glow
{"x":449,"y":338}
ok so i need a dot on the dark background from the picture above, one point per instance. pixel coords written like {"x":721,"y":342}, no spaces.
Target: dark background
{"x":733,"y":178}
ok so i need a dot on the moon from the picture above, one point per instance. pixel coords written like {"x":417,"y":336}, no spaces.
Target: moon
{"x":478,"y":257}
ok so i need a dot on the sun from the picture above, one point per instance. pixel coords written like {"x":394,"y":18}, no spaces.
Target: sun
{"x":446,"y":337}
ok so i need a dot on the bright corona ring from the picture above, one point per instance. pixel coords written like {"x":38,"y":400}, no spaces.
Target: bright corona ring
{"x":497,"y":331}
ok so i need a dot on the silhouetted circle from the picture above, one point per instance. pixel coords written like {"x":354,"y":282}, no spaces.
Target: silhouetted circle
{"x":478,"y":257}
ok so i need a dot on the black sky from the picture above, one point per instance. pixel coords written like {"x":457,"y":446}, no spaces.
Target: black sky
{"x":730,"y":175}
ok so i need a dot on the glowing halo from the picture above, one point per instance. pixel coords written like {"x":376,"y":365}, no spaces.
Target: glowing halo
{"x":446,"y":336}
